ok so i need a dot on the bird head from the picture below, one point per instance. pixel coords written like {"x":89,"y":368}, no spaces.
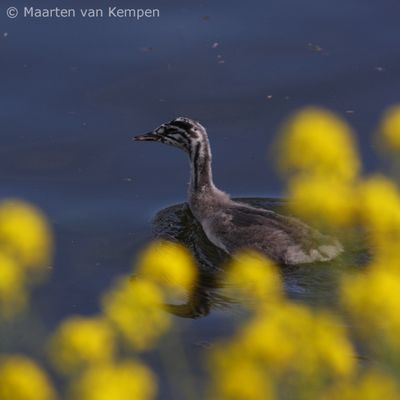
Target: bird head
{"x":181,"y":132}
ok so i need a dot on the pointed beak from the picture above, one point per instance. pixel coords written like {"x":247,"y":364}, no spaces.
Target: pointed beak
{"x":147,"y":137}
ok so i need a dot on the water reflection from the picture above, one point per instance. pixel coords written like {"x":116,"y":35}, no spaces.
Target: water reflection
{"x":313,"y":283}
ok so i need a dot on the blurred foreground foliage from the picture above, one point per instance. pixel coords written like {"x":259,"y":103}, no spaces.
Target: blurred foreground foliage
{"x":284,"y":349}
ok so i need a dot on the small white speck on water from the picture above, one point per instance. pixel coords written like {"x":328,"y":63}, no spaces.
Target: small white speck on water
{"x":314,"y":47}
{"x":215,"y":45}
{"x":221,"y":62}
{"x":5,"y":34}
{"x":350,"y":111}
{"x":269,"y":97}
{"x":379,"y":69}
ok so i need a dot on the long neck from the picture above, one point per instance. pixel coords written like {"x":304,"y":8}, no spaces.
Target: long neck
{"x":201,"y":174}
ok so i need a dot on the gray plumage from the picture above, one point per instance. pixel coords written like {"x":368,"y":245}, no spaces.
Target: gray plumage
{"x":231,"y":225}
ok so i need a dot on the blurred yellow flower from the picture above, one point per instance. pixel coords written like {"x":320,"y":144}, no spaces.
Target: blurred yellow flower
{"x":331,"y":342}
{"x":282,"y":341}
{"x":253,"y":277}
{"x":322,"y":200}
{"x":316,"y":141}
{"x":135,"y":308}
{"x":260,"y":336}
{"x":241,"y":379}
{"x":126,"y":380}
{"x":373,"y":385}
{"x":22,"y":379}
{"x":13,"y":294}
{"x":308,"y":342}
{"x":80,"y":341}
{"x":390,"y":127}
{"x":380,"y":203}
{"x":379,"y":208}
{"x":286,"y":348}
{"x":373,"y":301}
{"x":168,"y":264}
{"x":25,"y":234}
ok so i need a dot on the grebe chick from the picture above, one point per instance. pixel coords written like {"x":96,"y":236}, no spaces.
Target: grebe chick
{"x":231,"y":225}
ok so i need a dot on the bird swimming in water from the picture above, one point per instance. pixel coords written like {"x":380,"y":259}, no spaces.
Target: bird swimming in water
{"x":231,"y":225}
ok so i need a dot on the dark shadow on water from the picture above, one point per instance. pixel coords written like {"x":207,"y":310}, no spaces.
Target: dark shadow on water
{"x":312,"y":283}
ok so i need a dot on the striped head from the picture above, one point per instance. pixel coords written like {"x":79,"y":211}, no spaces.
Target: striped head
{"x":181,"y":132}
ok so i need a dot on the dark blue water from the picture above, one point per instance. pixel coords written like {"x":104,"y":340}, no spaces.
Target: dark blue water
{"x":73,"y":91}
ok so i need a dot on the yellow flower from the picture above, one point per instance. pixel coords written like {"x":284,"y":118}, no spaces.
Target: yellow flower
{"x":241,"y":380}
{"x":373,"y":385}
{"x":168,"y":264}
{"x":13,"y":295}
{"x":332,"y":344}
{"x":380,"y":203}
{"x":24,"y":233}
{"x":292,"y":338}
{"x":373,"y":301}
{"x":316,"y":141}
{"x":286,"y":346}
{"x":135,"y":308}
{"x":379,"y":208}
{"x":80,"y":341}
{"x":322,"y":200}
{"x":22,"y":379}
{"x":254,"y":277}
{"x":390,"y":127}
{"x":127,"y":380}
